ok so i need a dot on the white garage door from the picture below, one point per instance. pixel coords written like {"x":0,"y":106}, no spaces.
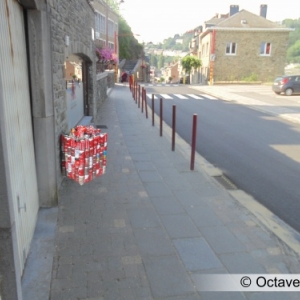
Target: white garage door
{"x":15,"y":115}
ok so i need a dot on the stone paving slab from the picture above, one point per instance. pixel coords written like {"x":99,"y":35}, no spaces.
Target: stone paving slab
{"x":146,"y":228}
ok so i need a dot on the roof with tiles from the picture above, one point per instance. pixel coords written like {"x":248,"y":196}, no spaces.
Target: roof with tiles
{"x":246,"y":19}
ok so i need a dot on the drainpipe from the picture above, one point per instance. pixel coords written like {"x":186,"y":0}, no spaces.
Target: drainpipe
{"x":212,"y":57}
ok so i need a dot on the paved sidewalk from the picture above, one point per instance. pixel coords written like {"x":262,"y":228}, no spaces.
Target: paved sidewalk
{"x":150,"y":226}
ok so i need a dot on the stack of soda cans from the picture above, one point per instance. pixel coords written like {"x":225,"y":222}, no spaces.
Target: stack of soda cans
{"x":84,"y":153}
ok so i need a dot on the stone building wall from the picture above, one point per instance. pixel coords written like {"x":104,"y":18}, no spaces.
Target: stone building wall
{"x":105,"y":81}
{"x":75,"y":20}
{"x":248,"y":60}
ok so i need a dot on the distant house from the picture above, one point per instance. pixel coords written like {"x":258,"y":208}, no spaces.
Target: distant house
{"x":240,"y":45}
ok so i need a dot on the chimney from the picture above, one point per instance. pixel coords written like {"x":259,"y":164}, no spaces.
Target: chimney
{"x":263,"y":10}
{"x":233,"y":10}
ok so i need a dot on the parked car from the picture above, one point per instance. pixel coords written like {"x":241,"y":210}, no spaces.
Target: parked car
{"x":287,"y":84}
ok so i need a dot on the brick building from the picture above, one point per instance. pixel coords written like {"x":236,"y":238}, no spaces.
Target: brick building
{"x":240,"y":45}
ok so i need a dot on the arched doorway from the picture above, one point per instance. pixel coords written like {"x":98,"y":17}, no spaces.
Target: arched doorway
{"x":75,"y":89}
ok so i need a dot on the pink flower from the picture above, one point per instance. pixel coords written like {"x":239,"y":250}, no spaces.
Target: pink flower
{"x":106,"y":54}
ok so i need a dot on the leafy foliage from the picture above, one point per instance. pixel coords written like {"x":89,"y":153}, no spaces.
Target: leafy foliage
{"x":293,"y":52}
{"x":190,"y":62}
{"x":161,"y":61}
{"x":172,"y":44}
{"x":106,"y":54}
{"x":129,"y":47}
{"x":114,"y":5}
{"x":251,"y":78}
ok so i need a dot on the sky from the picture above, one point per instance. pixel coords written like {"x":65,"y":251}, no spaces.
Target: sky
{"x":156,"y":20}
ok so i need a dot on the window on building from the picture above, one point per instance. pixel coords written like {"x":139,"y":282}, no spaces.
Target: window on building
{"x":111,"y":45}
{"x":97,"y":26}
{"x":265,"y":48}
{"x":102,"y":24}
{"x":231,"y":48}
{"x":116,"y":27}
{"x":102,"y":43}
{"x":111,"y":28}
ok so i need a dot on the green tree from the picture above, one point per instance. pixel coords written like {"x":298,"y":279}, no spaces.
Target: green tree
{"x":129,"y":47}
{"x":294,"y":37}
{"x":153,"y":60}
{"x":114,"y":5}
{"x":190,"y":62}
{"x":293,"y":53}
{"x":161,"y":61}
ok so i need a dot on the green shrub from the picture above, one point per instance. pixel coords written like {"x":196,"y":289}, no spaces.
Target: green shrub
{"x":252,"y":77}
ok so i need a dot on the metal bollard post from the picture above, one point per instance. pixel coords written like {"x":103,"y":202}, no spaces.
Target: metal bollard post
{"x":193,"y":149}
{"x":143,"y":99}
{"x":139,"y":96}
{"x":146,"y":105}
{"x":132,"y":89}
{"x":134,"y":92}
{"x":152,"y":109}
{"x":173,"y":127}
{"x":161,"y":116}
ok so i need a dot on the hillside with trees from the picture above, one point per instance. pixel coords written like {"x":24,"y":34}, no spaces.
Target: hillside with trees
{"x":129,"y":47}
{"x":293,"y":52}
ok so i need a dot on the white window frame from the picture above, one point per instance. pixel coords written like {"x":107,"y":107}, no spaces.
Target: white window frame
{"x":232,"y":47}
{"x":111,"y":45}
{"x":102,"y":42}
{"x":111,"y":28}
{"x":97,"y":25}
{"x":102,"y":23}
{"x":264,"y":48}
{"x":116,"y":28}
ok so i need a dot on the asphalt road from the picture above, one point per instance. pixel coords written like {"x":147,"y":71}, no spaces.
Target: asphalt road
{"x":258,"y":152}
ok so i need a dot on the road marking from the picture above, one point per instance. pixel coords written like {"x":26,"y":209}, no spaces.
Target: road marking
{"x":180,"y":96}
{"x":194,"y":96}
{"x":166,"y":96}
{"x":209,"y":97}
{"x":150,"y":96}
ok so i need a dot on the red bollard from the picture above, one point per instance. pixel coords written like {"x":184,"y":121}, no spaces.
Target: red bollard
{"x":193,"y":150}
{"x":139,"y":96}
{"x":130,"y":82}
{"x":132,"y":89}
{"x":152,"y":109}
{"x":173,"y":127}
{"x":143,"y":99}
{"x":161,"y":116}
{"x":146,"y":105}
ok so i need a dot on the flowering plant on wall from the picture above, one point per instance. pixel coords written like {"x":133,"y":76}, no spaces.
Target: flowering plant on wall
{"x":106,"y":55}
